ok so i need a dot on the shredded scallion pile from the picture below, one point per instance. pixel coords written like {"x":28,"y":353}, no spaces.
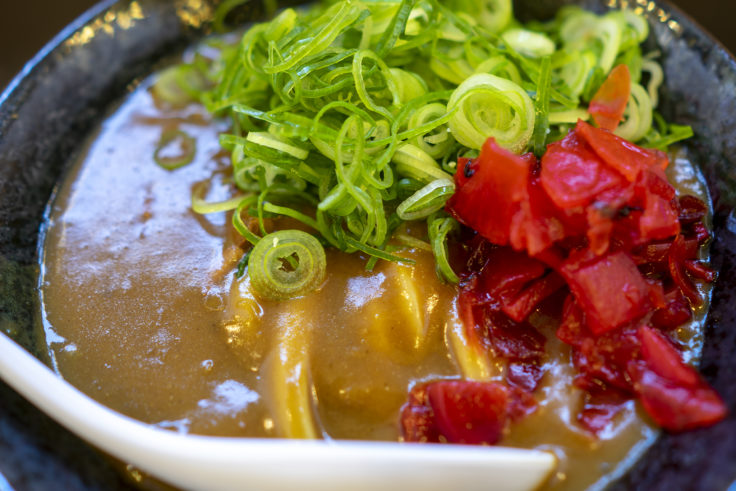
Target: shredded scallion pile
{"x":350,"y":116}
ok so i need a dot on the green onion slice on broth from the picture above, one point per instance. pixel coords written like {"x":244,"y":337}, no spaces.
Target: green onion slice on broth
{"x":175,"y":149}
{"x":286,"y":264}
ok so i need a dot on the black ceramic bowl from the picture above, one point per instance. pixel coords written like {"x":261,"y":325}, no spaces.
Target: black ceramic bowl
{"x":50,"y":108}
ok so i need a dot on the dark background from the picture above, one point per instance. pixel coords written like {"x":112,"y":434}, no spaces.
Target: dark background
{"x":26,"y":25}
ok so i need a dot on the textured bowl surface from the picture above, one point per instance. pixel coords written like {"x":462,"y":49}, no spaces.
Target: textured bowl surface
{"x":49,"y":109}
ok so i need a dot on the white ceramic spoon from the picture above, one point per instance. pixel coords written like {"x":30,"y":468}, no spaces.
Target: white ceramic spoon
{"x":217,"y":463}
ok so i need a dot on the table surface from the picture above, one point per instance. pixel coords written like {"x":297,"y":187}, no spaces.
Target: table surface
{"x":26,"y":26}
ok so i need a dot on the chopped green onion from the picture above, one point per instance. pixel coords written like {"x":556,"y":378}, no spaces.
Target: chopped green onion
{"x":286,"y":264}
{"x":609,"y":32}
{"x":494,"y":15}
{"x":199,"y":205}
{"x":501,"y":67}
{"x":242,"y":264}
{"x":439,"y":227}
{"x":575,"y":73}
{"x":427,"y":200}
{"x":491,"y":106}
{"x":270,"y":141}
{"x":638,"y":24}
{"x":656,"y":76}
{"x":673,"y":134}
{"x":568,"y":117}
{"x":412,"y":242}
{"x":528,"y":43}
{"x":638,"y":115}
{"x":349,"y":115}
{"x":541,"y":107}
{"x":394,"y":29}
{"x":175,"y":149}
{"x":408,"y":85}
{"x":180,"y":85}
{"x":240,"y":225}
{"x":437,"y":142}
{"x":375,"y":252}
{"x":415,"y":163}
{"x":593,"y":82}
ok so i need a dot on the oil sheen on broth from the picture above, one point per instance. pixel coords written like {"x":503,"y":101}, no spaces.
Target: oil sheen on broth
{"x":142,"y":311}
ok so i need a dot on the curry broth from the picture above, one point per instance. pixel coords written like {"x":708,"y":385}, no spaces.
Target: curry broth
{"x":142,"y":311}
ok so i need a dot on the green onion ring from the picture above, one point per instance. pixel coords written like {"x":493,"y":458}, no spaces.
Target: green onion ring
{"x":187,"y":149}
{"x":286,"y":264}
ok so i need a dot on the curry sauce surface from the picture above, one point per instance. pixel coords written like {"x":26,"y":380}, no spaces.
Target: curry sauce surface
{"x":142,"y":311}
